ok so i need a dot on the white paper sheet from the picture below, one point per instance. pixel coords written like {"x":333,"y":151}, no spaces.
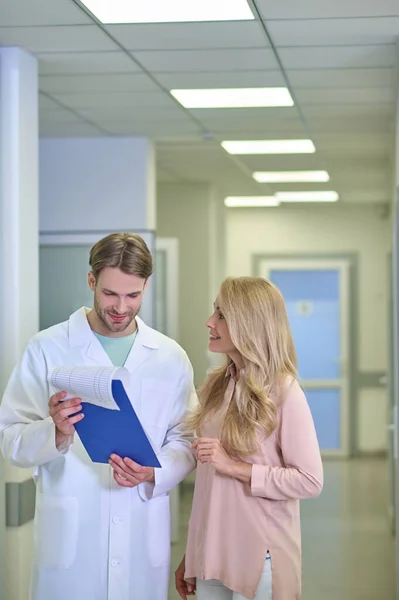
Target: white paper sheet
{"x":91,"y":384}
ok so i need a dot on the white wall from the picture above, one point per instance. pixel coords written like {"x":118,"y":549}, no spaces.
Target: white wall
{"x":330,"y":229}
{"x":97,"y":183}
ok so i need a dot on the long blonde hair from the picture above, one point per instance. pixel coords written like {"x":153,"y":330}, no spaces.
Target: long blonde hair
{"x":257,"y":320}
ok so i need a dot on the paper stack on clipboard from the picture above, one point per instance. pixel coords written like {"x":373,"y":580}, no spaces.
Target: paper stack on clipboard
{"x":110,"y":425}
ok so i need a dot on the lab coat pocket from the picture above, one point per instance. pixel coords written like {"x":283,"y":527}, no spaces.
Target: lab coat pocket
{"x":158,"y":538}
{"x":56,"y":531}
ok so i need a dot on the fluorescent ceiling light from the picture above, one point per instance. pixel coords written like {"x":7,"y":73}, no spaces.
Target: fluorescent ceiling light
{"x":234,"y":98}
{"x":329,"y":196}
{"x":269,"y":147}
{"x":290,"y":176}
{"x":250,"y":201}
{"x":168,"y":11}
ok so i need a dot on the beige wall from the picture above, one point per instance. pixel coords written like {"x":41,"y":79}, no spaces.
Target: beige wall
{"x":331,"y":229}
{"x":185,"y":212}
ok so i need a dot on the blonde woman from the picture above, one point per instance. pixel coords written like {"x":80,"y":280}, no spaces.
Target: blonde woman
{"x":257,"y":455}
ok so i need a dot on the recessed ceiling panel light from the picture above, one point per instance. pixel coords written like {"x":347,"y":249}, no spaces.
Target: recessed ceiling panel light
{"x":269,"y":147}
{"x":250,"y":201}
{"x":322,"y":196}
{"x":234,"y":97}
{"x":168,"y":11}
{"x":290,"y":176}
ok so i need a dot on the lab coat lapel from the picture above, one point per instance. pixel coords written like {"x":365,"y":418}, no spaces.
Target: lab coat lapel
{"x":80,"y":334}
{"x":97,"y":354}
{"x":143,"y":348}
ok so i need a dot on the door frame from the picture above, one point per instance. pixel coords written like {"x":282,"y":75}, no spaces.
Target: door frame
{"x":170,"y":246}
{"x":391,"y":424}
{"x":349,"y":262}
{"x":395,"y":374}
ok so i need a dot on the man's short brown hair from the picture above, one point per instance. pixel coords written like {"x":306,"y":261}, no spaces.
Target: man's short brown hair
{"x":125,"y":251}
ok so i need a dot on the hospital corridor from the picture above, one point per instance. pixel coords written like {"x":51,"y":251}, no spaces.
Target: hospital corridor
{"x":199,"y":299}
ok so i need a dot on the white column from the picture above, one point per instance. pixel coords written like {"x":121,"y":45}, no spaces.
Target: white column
{"x":97,"y":184}
{"x":18,"y":266}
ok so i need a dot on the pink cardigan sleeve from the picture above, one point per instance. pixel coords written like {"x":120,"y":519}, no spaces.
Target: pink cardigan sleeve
{"x":302,"y":473}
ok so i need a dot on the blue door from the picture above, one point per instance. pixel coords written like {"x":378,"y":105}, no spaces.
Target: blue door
{"x":314,"y":300}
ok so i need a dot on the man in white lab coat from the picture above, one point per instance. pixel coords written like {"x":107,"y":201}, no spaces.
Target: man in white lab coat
{"x":101,"y":532}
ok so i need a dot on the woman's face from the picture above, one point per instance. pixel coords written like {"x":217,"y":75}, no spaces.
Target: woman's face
{"x":219,"y":335}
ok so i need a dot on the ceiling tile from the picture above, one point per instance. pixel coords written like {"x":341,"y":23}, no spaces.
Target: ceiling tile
{"x":330,"y":32}
{"x":45,"y":102}
{"x":40,"y":12}
{"x":286,"y":162}
{"x":207,"y":60}
{"x":314,"y":9}
{"x":59,"y":115}
{"x":346,"y":144}
{"x":258,"y":114}
{"x":71,"y":63}
{"x":155,"y":130}
{"x":268,"y":162}
{"x":188,"y":36}
{"x":365,"y":196}
{"x":115,"y":100}
{"x":229,"y":79}
{"x":135,"y":115}
{"x":69,"y":130}
{"x":338,"y":57}
{"x":80,"y":84}
{"x":373,"y":96}
{"x":342,"y":78}
{"x":255,"y":131}
{"x":338,"y":111}
{"x":83,"y":38}
{"x":354,"y":125}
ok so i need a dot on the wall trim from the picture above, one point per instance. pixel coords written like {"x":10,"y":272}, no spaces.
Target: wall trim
{"x":20,"y":502}
{"x":372,"y":379}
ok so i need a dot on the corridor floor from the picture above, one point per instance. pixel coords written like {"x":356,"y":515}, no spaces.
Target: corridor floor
{"x":348,"y":551}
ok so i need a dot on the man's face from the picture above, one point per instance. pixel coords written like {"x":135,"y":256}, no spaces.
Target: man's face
{"x":117,"y":300}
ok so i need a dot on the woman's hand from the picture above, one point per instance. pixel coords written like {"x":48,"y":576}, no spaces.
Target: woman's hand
{"x":183,"y":587}
{"x":210,"y":450}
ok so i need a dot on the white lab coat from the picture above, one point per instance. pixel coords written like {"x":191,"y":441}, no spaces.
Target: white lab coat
{"x":94,"y":540}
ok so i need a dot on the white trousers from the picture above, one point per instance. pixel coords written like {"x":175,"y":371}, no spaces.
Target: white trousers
{"x":214,"y":590}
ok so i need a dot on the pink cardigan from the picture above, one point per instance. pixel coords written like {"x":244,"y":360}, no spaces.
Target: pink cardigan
{"x":233,"y":525}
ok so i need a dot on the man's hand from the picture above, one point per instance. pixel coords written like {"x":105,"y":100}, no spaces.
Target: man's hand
{"x":61,"y":413}
{"x":128,"y":473}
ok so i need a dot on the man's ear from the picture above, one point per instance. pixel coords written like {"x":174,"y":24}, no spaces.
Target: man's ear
{"x":146,"y":284}
{"x":91,"y":280}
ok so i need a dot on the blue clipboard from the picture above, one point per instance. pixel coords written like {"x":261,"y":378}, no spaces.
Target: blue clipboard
{"x":104,"y":432}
